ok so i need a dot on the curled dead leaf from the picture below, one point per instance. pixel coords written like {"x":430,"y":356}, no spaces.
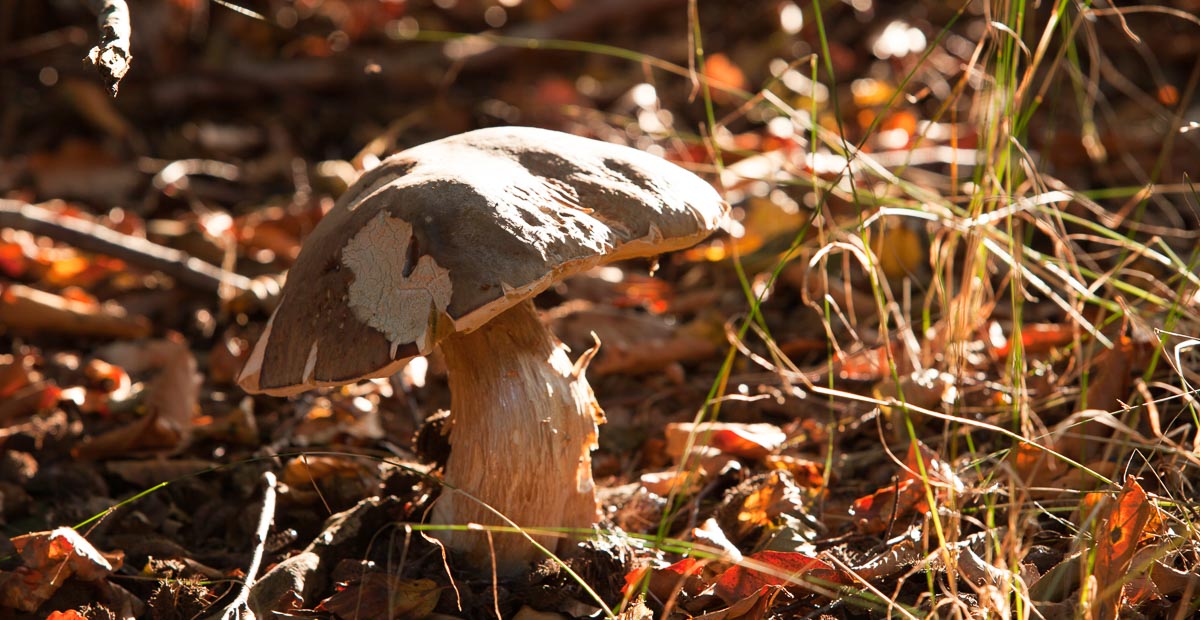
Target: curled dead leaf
{"x":335,"y":479}
{"x":48,"y":559}
{"x":172,"y":398}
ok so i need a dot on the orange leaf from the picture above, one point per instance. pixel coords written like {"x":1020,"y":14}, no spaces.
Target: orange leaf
{"x":48,"y":560}
{"x":1168,"y":95}
{"x":1117,"y":539}
{"x":1039,"y":338}
{"x":901,"y":250}
{"x":664,"y":583}
{"x":807,"y":473}
{"x":13,"y":261}
{"x":70,"y":614}
{"x":720,"y":70}
{"x":641,"y":292}
{"x":873,"y":513}
{"x":776,"y":496}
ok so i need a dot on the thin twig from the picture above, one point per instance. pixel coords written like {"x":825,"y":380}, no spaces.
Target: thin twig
{"x":95,"y":238}
{"x":239,"y":607}
{"x":112,"y":56}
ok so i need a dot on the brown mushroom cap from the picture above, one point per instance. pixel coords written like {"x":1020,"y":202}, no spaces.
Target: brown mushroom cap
{"x":444,"y":236}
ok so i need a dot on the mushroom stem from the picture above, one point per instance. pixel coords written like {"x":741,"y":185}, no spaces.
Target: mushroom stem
{"x":523,"y":425}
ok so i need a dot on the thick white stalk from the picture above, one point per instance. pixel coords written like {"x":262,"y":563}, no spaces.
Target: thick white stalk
{"x":523,"y":425}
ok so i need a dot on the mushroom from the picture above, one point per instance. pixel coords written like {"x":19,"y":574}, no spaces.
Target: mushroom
{"x":444,"y":245}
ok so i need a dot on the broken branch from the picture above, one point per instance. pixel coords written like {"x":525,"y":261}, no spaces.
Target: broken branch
{"x":26,"y":309}
{"x":92,"y":237}
{"x":112,"y":56}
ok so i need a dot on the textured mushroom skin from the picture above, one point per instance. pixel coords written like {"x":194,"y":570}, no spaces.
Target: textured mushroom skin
{"x":522,"y":431}
{"x":505,"y":212}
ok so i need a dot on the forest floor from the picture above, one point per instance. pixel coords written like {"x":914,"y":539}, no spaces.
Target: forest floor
{"x":941,"y":361}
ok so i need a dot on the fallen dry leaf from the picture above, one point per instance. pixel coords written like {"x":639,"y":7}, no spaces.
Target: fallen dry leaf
{"x":1129,"y":521}
{"x":48,"y":559}
{"x":382,"y":596}
{"x":922,"y":460}
{"x":806,"y":472}
{"x":776,"y":495}
{"x":753,"y":607}
{"x":336,"y":479}
{"x":774,"y":568}
{"x":81,"y":271}
{"x":752,"y":441}
{"x":85,"y":170}
{"x":104,"y":383}
{"x":638,"y":291}
{"x":227,"y":356}
{"x":719,"y":69}
{"x":1034,"y":466}
{"x":1037,"y":339}
{"x":874,"y":513}
{"x":28,"y":400}
{"x":1109,"y":384}
{"x":667,"y":583}
{"x":633,"y":343}
{"x":277,"y":231}
{"x":1169,"y":580}
{"x":870,"y":364}
{"x":171,"y":401}
{"x":663,"y":483}
{"x":711,"y":534}
{"x":14,"y":261}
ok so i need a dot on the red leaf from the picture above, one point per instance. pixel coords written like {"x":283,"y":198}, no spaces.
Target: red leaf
{"x":752,"y":441}
{"x":665,"y":582}
{"x":772,"y":568}
{"x":872,"y":513}
{"x":70,"y":614}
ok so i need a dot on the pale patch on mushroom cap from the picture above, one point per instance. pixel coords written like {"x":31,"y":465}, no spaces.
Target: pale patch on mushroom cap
{"x":496,"y":216}
{"x":385,"y":295}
